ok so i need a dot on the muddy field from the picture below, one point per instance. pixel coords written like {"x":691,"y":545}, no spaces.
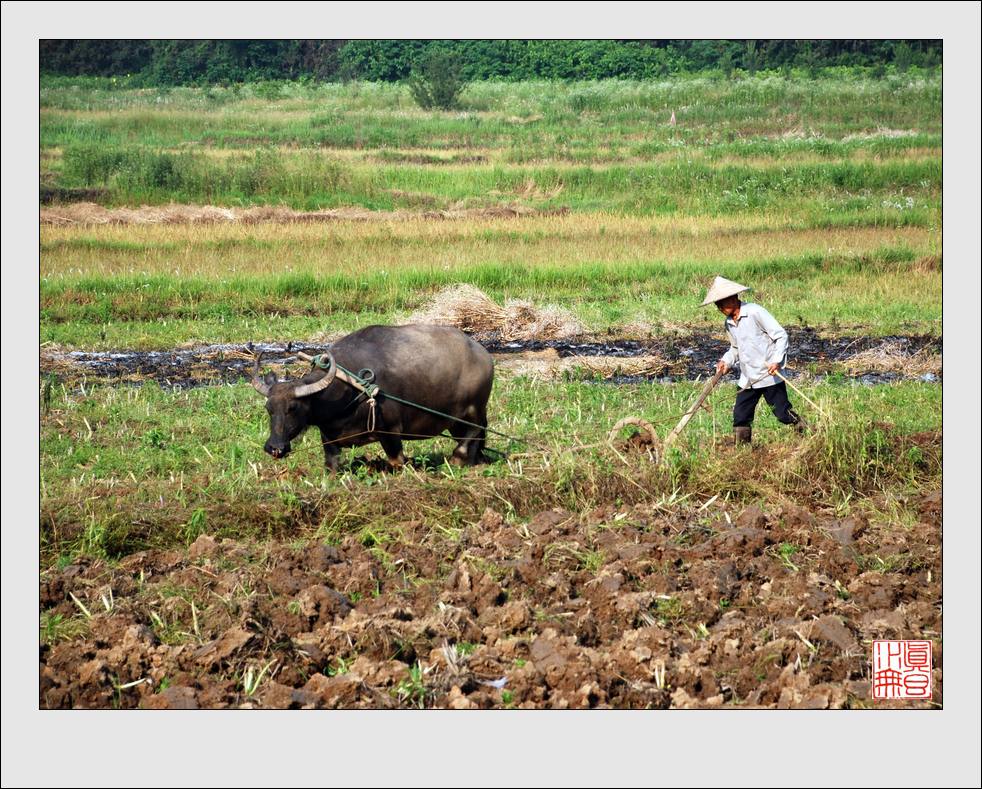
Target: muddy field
{"x":670,"y":357}
{"x":635,"y":607}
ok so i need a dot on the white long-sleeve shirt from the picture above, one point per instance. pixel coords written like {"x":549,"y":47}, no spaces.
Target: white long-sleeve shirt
{"x":756,"y":341}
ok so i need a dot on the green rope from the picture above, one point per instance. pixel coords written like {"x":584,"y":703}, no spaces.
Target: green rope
{"x":374,"y":390}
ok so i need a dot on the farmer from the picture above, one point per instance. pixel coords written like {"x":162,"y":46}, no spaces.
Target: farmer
{"x":759,"y":345}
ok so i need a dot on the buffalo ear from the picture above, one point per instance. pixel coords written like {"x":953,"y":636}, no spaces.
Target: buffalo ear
{"x":269,"y":379}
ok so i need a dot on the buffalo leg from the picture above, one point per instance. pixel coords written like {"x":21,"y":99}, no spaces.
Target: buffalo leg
{"x":332,"y":455}
{"x":470,"y":445}
{"x":393,"y":451}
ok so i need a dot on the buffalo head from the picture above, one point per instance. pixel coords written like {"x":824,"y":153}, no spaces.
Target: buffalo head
{"x":289,"y":405}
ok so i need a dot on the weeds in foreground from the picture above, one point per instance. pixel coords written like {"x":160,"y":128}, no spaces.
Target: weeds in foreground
{"x":110,"y":494}
{"x":252,"y":677}
{"x":412,"y":690}
{"x":57,"y":627}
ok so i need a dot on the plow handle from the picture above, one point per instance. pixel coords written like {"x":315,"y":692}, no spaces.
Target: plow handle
{"x":706,"y":390}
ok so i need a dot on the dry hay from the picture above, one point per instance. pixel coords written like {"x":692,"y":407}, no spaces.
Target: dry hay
{"x":548,"y":365}
{"x":530,"y":190}
{"x":880,"y":132}
{"x":94,"y":214}
{"x":466,"y":307}
{"x":639,"y":329}
{"x":894,"y":357}
{"x":416,"y":198}
{"x":798,"y":133}
{"x":612,"y":366}
{"x":54,"y":363}
{"x":473,"y":311}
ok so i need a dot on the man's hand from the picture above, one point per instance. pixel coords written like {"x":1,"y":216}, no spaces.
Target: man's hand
{"x":773,"y":368}
{"x":721,"y":366}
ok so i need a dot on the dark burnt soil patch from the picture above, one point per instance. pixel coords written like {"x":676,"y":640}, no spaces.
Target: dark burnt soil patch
{"x":688,"y":356}
{"x":625,"y":607}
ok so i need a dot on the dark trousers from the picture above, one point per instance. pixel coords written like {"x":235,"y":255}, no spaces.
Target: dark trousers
{"x":776,"y":397}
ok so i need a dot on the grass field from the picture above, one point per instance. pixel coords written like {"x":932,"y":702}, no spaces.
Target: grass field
{"x":125,"y":469}
{"x":825,"y":195}
{"x":813,"y":149}
{"x":161,"y":286}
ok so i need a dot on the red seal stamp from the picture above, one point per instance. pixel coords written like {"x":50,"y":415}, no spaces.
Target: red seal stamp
{"x":902,"y":669}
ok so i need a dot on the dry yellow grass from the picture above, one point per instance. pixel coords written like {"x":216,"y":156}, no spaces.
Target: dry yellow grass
{"x":88,"y":214}
{"x":468,"y":159}
{"x":413,"y":241}
{"x":894,"y":357}
{"x":548,"y":365}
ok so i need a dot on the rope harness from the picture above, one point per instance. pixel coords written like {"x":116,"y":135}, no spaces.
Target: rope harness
{"x":364,"y":382}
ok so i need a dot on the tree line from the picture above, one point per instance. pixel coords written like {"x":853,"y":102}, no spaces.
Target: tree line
{"x":216,"y":61}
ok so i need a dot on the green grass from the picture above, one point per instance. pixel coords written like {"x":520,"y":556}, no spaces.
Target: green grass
{"x":737,"y":146}
{"x":886,"y":291}
{"x":823,"y":194}
{"x":312,"y":180}
{"x":128,"y":468}
{"x":838,"y":102}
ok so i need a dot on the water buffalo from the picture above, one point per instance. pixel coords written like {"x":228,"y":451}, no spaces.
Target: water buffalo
{"x":435,"y":366}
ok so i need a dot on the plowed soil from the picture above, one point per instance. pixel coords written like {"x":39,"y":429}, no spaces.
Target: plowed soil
{"x":641,"y":607}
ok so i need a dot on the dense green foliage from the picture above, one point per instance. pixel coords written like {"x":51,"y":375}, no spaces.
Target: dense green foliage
{"x":438,"y":81}
{"x":209,"y":61}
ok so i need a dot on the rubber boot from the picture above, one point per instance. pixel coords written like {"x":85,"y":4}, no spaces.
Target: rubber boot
{"x":742,"y":435}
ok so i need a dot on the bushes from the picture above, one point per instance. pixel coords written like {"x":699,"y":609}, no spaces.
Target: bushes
{"x":91,"y":165}
{"x":437,"y":82}
{"x":132,"y":169}
{"x":211,"y":61}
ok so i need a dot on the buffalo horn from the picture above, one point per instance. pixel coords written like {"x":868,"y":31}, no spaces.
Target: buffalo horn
{"x":257,"y":382}
{"x":320,"y":385}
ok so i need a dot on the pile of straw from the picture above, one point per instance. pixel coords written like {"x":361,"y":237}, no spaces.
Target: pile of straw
{"x":611,"y":366}
{"x":473,"y":311}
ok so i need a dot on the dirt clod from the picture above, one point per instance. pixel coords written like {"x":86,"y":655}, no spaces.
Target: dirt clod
{"x":621,"y":607}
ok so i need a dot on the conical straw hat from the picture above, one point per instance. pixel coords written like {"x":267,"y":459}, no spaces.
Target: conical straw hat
{"x":721,"y":288}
